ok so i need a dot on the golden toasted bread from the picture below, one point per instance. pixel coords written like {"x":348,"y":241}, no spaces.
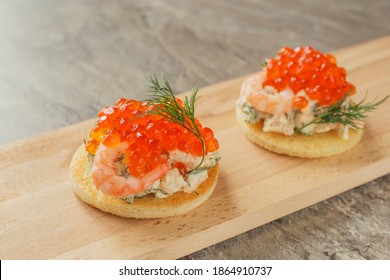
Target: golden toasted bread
{"x":142,"y":208}
{"x":305,"y":146}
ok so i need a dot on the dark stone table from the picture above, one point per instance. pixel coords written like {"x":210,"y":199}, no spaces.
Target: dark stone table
{"x":61,"y":61}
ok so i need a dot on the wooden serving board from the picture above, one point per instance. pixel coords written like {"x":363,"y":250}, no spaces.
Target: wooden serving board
{"x":41,"y":218}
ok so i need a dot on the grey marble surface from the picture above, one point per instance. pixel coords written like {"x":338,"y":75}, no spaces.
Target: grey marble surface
{"x":61,"y":61}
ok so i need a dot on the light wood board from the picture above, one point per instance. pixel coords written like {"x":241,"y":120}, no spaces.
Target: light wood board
{"x":42,"y":219}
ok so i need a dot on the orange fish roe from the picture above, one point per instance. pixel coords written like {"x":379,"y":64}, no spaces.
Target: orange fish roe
{"x":305,"y":68}
{"x":150,"y":137}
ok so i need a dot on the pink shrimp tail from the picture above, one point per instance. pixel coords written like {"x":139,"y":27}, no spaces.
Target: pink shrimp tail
{"x":253,"y":84}
{"x":107,"y":178}
{"x":114,"y":185}
{"x":99,"y":175}
{"x":135,"y":185}
{"x":271,"y":104}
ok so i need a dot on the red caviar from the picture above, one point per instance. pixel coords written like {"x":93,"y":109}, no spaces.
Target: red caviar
{"x":305,"y":68}
{"x":150,"y":137}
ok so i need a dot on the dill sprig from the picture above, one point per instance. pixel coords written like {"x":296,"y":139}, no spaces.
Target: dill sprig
{"x":351,"y":116}
{"x":166,"y":105}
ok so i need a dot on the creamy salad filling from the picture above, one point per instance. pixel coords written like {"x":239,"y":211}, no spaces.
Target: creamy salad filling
{"x":296,"y":119}
{"x":174,"y":181}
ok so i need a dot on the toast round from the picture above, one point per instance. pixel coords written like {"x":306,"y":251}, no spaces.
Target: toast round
{"x":142,"y":208}
{"x":305,"y":146}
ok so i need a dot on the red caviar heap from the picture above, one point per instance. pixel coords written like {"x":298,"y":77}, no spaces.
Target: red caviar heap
{"x":150,"y":137}
{"x":309,"y":70}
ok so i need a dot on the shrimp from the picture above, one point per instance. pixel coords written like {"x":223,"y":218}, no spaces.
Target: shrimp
{"x":106,"y":173}
{"x":253,"y":84}
{"x":274,"y":104}
{"x":266,"y":100}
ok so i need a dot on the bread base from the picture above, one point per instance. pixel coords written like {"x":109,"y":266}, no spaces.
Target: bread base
{"x":314,"y":146}
{"x":142,"y":208}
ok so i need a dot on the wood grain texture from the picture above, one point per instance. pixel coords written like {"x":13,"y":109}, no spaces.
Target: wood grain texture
{"x":61,"y":61}
{"x":43,"y":219}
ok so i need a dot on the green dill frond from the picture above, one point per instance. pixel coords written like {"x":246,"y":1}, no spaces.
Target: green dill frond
{"x":351,"y":116}
{"x":166,"y":105}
